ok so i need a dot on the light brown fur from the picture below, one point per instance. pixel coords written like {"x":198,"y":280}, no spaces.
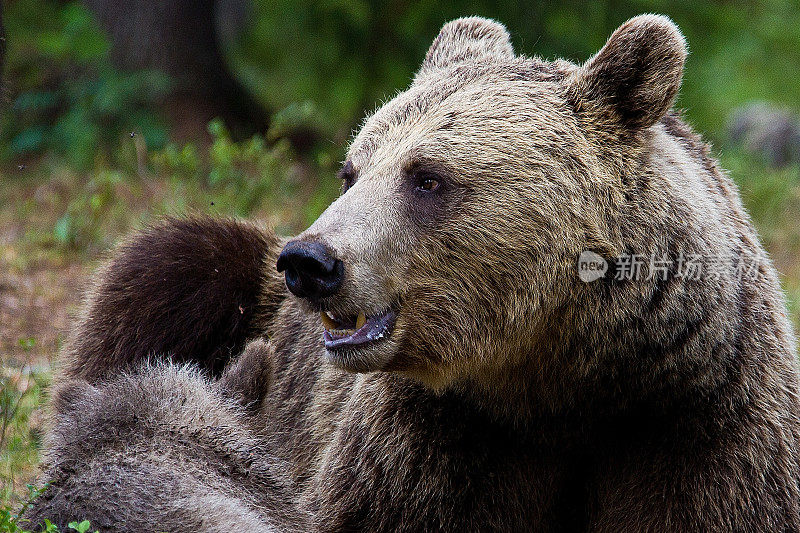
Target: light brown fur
{"x":510,"y":394}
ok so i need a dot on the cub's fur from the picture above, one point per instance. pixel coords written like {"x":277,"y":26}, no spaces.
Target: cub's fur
{"x":195,"y":274}
{"x":161,"y":449}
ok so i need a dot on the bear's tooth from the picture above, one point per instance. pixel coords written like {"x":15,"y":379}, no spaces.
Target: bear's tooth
{"x":327,"y":321}
{"x":361,"y":320}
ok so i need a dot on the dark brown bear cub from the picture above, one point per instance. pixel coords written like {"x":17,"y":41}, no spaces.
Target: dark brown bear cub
{"x":438,"y":361}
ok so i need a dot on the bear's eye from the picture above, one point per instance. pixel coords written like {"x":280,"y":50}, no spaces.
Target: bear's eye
{"x":427,"y":183}
{"x":348,"y":176}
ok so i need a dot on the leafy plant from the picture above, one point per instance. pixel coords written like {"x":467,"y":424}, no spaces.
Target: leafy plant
{"x":14,"y":522}
{"x":11,"y":522}
{"x":70,"y":100}
{"x":238,"y":177}
{"x":80,"y":527}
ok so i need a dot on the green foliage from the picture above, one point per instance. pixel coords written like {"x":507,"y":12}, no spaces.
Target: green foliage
{"x":320,"y":66}
{"x":70,"y":100}
{"x":242,"y":176}
{"x":77,"y":228}
{"x":11,"y":522}
{"x":344,"y":56}
{"x":21,"y":392}
{"x":296,"y":116}
{"x":80,"y":527}
{"x":324,"y":64}
{"x":27,"y":344}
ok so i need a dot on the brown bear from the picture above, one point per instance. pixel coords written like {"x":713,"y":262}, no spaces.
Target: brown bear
{"x":162,"y":449}
{"x":439,"y":362}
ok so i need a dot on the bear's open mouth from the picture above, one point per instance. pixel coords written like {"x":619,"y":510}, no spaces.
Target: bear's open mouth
{"x":342,"y":332}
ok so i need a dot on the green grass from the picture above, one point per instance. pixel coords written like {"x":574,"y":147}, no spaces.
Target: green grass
{"x":65,"y":213}
{"x":21,"y":394}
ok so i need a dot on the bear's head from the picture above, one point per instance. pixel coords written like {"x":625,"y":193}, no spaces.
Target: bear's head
{"x":468,"y":198}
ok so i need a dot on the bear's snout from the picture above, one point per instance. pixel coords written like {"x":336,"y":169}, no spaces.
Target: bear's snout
{"x":312,"y":271}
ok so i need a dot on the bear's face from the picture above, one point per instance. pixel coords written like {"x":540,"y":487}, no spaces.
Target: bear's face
{"x":468,"y":198}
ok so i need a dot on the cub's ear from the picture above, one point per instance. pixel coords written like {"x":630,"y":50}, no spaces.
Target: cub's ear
{"x":247,"y":379}
{"x":73,"y":394}
{"x":636,"y":75}
{"x":465,"y":39}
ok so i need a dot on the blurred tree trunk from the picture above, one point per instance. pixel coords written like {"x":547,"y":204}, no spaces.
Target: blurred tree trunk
{"x":2,"y":48}
{"x":180,"y":38}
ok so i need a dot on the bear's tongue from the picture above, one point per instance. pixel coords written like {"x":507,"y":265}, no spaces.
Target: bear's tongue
{"x":365,"y":329}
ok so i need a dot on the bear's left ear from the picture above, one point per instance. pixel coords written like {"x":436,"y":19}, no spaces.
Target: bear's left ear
{"x":467,"y":39}
{"x":637,"y":74}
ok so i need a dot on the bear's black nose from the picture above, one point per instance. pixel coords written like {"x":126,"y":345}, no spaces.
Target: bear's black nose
{"x":311,"y":270}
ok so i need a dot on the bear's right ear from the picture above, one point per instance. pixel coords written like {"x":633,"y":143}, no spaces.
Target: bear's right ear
{"x":465,"y":39}
{"x":635,"y":77}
